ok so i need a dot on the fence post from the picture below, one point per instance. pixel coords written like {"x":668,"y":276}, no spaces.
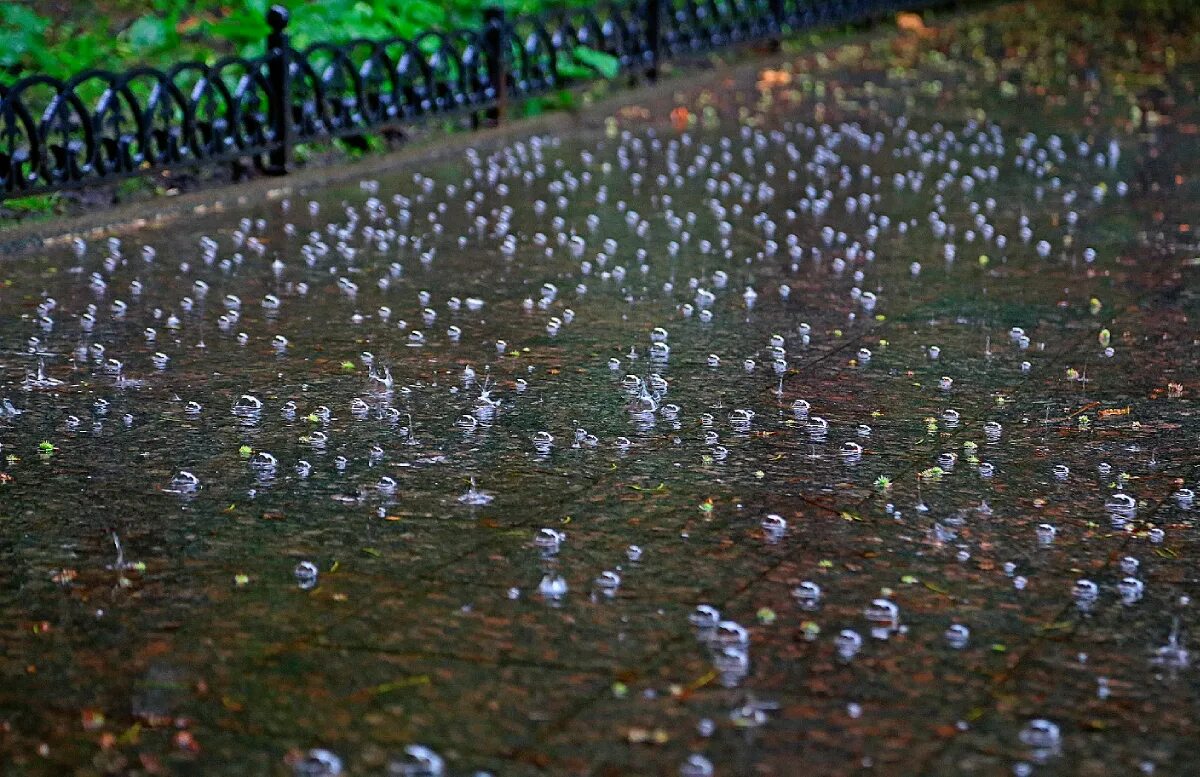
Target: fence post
{"x":495,"y":44}
{"x":778,"y":16}
{"x":654,"y":10}
{"x":279,"y":73}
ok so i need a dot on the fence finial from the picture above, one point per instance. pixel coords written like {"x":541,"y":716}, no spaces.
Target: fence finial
{"x":279,"y":66}
{"x":277,"y":18}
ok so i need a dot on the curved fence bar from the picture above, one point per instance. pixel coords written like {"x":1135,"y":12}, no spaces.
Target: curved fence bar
{"x":100,"y":125}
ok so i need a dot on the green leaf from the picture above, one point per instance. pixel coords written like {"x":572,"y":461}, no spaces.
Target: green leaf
{"x":241,"y":27}
{"x":44,"y":203}
{"x":149,"y":34}
{"x":570,"y":70}
{"x":19,"y":17}
{"x":534,"y":106}
{"x":424,"y":14}
{"x":562,"y":100}
{"x":22,"y":36}
{"x":605,"y":64}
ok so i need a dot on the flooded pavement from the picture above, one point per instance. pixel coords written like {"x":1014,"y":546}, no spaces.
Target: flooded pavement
{"x":838,"y":416}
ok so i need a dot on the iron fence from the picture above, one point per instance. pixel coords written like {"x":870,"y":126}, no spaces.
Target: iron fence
{"x":101,"y":125}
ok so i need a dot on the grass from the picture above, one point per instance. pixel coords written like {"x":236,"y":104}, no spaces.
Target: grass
{"x":38,"y":204}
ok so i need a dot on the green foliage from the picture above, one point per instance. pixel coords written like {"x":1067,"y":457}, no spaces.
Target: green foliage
{"x":342,"y":20}
{"x":356,"y":146}
{"x":583,"y":63}
{"x":21,"y":33}
{"x":149,"y":34}
{"x":562,"y":100}
{"x":119,"y":33}
{"x":131,"y":187}
{"x":42,"y":203}
{"x":33,"y":43}
{"x":603,"y":64}
{"x":244,"y":26}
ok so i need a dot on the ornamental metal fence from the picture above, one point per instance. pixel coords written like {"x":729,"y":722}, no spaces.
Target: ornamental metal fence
{"x":101,"y":125}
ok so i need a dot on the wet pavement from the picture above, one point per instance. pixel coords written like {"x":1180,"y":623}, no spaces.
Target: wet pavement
{"x":903,"y":487}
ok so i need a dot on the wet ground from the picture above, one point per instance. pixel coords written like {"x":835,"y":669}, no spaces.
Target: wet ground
{"x":904,"y":486}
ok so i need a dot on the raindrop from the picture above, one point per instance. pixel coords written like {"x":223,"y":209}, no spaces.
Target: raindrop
{"x":306,"y":574}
